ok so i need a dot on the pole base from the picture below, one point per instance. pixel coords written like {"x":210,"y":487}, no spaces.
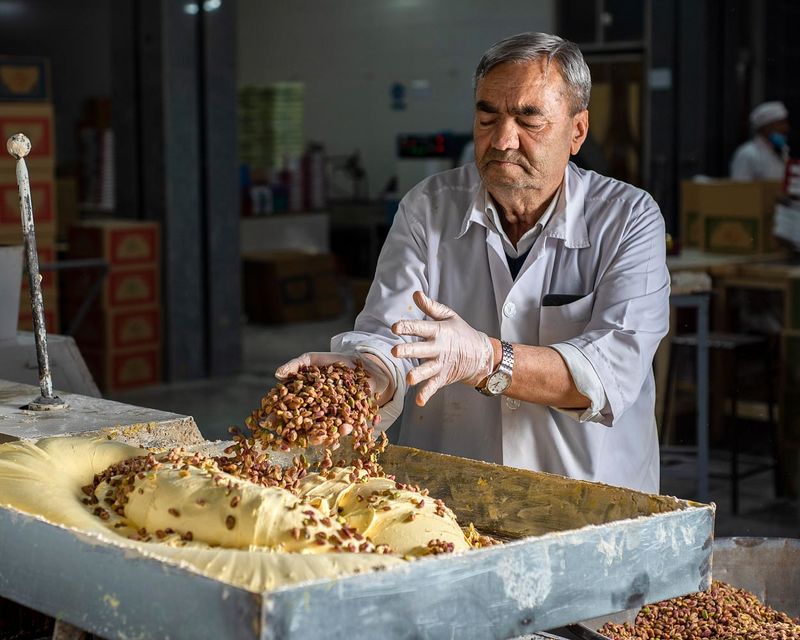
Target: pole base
{"x":47,"y":404}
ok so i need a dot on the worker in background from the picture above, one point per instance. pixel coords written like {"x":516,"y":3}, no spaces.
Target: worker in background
{"x":764,"y":156}
{"x":518,"y":300}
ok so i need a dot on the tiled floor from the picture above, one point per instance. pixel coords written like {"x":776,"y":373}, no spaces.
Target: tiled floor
{"x":218,"y":404}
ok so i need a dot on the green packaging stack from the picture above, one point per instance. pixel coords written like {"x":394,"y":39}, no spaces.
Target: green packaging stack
{"x":271,"y":124}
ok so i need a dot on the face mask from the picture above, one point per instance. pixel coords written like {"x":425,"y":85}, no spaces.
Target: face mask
{"x":778,"y":140}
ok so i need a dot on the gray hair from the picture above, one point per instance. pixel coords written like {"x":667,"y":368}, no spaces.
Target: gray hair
{"x":527,"y":47}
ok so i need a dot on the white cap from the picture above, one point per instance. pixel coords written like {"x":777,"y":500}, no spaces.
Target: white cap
{"x":767,"y":113}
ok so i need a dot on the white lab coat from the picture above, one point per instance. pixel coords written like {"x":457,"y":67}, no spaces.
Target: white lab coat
{"x":606,"y":244}
{"x":756,"y":160}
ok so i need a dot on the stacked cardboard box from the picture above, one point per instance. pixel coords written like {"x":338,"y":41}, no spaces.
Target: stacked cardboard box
{"x":290,"y":286}
{"x":727,"y":216}
{"x":25,"y":107}
{"x":120,"y":337}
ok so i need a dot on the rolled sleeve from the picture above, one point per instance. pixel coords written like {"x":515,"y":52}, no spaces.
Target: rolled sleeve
{"x":356,"y":342}
{"x":588,"y":384}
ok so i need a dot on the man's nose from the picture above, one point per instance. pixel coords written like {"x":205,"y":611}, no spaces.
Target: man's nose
{"x":505,"y":135}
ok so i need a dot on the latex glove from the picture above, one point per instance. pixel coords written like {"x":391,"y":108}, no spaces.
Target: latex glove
{"x":380,"y":379}
{"x":452,"y":350}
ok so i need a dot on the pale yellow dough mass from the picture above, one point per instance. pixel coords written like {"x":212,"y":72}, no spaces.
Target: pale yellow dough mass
{"x":245,"y":542}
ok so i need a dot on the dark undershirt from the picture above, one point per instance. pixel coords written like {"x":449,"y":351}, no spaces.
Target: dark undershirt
{"x":515,"y":264}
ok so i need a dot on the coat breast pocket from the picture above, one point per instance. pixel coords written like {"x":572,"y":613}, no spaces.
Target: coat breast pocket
{"x":562,"y":322}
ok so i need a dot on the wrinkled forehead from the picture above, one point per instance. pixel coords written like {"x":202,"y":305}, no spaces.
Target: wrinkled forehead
{"x":523,"y":83}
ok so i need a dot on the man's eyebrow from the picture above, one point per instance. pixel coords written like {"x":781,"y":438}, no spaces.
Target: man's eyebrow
{"x":526,"y":110}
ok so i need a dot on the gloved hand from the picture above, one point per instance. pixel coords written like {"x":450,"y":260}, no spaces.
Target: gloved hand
{"x":381,"y":380}
{"x":453,"y":351}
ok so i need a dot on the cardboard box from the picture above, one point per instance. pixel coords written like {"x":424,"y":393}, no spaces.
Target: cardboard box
{"x":134,"y":287}
{"x":117,"y":329}
{"x":43,"y":199}
{"x":122,"y":370}
{"x":727,"y":216}
{"x":35,"y":120}
{"x":24,"y":78}
{"x":290,"y":286}
{"x":120,"y":242}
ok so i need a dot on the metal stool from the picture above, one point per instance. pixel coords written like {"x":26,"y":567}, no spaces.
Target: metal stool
{"x":732,"y":343}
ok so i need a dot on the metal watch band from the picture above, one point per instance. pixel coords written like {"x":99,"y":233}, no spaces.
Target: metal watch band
{"x":506,"y":368}
{"x":507,"y":361}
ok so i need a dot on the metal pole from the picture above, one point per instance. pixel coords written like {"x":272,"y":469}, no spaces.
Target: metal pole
{"x":19,"y":146}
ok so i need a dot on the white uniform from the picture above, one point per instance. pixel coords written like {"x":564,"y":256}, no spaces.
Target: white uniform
{"x":757,"y":160}
{"x":605,"y":247}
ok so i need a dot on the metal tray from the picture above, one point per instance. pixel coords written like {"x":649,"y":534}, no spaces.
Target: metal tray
{"x":576,"y":550}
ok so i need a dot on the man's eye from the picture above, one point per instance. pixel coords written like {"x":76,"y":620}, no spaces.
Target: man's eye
{"x":486,"y":122}
{"x":535,"y":125}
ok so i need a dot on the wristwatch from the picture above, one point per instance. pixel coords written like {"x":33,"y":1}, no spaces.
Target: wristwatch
{"x":499,"y":380}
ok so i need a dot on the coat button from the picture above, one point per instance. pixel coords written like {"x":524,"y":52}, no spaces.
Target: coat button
{"x":512,"y":403}
{"x":509,"y":309}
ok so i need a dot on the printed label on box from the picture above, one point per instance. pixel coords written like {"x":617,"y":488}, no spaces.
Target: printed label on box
{"x":732,"y":234}
{"x":130,"y":246}
{"x":136,"y":328}
{"x":130,"y":370}
{"x":24,"y":78}
{"x":132,"y":287}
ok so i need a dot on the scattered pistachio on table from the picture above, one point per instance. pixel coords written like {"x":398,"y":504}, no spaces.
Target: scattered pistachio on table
{"x":723,"y":612}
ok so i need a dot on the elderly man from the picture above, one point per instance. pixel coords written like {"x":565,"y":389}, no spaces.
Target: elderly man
{"x":763,"y":157}
{"x":518,"y":299}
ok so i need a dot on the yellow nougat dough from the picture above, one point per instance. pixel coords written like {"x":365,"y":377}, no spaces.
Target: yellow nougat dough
{"x":393,"y":527}
{"x":45,"y":479}
{"x":264,"y":516}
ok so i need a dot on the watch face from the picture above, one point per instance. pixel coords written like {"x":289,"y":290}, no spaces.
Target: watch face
{"x":498,"y":382}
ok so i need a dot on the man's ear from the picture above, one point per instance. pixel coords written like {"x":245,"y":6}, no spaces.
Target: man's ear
{"x":580,"y":129}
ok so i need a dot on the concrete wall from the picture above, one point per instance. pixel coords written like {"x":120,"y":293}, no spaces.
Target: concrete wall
{"x":349,"y":53}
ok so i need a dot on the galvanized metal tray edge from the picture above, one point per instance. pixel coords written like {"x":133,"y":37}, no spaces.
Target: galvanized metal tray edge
{"x":115,"y":591}
{"x":538,"y":583}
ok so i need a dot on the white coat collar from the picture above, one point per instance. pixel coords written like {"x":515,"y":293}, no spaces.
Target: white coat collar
{"x":568,"y":223}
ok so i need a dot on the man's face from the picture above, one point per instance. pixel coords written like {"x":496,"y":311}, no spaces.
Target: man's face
{"x":779,"y":126}
{"x":524,"y":128}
